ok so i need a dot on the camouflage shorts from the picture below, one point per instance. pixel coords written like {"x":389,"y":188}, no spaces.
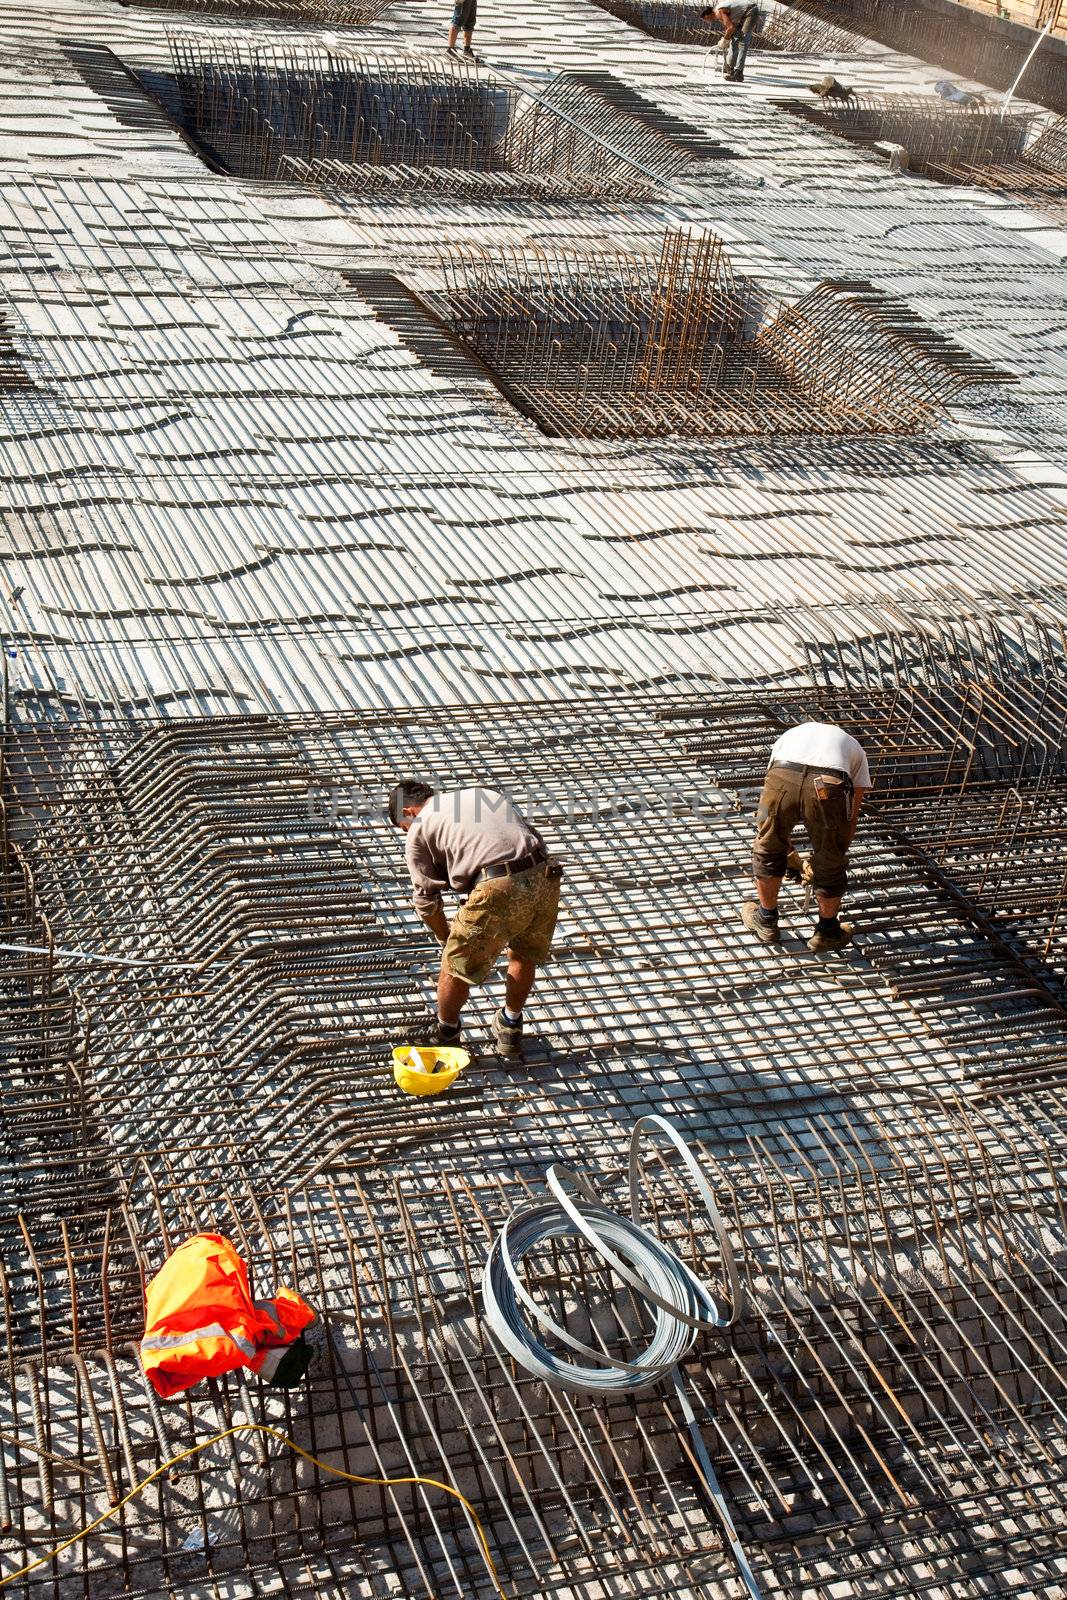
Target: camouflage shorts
{"x":517,"y":913}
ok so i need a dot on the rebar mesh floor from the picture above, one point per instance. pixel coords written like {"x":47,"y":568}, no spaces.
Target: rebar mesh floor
{"x":895,"y":1388}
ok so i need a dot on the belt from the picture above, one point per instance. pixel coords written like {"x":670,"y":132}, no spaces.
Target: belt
{"x":800,"y":766}
{"x":508,"y":869}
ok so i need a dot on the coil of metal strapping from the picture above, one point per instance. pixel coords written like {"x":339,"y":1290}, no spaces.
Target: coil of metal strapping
{"x":681,"y":1303}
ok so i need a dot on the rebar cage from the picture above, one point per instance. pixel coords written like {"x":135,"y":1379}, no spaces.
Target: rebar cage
{"x":341,"y":13}
{"x":626,"y":346}
{"x":979,"y":145}
{"x":379,"y":125}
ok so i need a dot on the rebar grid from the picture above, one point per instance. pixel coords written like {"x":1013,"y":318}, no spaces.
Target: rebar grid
{"x":341,"y":13}
{"x":930,"y":1282}
{"x":962,"y":40}
{"x":620,"y":346}
{"x":237,"y":846}
{"x":48,"y":1113}
{"x":378,"y":125}
{"x":891,"y":1410}
{"x":233,"y":845}
{"x":956,"y":144}
{"x":971,"y":787}
{"x":896,"y":1385}
{"x":13,"y":373}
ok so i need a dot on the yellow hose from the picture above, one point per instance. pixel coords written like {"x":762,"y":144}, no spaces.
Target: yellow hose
{"x":283,"y":1438}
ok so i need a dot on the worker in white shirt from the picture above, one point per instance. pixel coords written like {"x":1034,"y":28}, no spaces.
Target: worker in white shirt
{"x":739,"y":20}
{"x":818,"y":775}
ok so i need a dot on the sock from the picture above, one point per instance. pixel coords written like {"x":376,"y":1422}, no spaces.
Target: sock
{"x":827,"y":924}
{"x":767,"y":916}
{"x":451,"y":1028}
{"x":512,"y":1018}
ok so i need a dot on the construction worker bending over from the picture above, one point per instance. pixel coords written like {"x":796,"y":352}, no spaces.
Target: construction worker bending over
{"x":818,"y":775}
{"x":739,"y":20}
{"x":475,"y":842}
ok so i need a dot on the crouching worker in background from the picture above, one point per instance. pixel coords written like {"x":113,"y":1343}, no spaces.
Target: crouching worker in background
{"x":818,"y":776}
{"x":475,"y":842}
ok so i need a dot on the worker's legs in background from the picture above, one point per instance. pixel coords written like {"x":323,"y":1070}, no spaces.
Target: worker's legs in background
{"x":786,"y":799}
{"x":452,"y":995}
{"x":737,"y":48}
{"x":519,"y":982}
{"x":463,"y":19}
{"x":828,"y":821}
{"x":777,"y":815}
{"x":536,"y":910}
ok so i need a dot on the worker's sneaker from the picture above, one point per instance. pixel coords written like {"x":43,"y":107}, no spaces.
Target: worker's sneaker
{"x":831,"y":938}
{"x":468,"y":52}
{"x":508,"y":1035}
{"x":434,"y":1031}
{"x":766,"y":931}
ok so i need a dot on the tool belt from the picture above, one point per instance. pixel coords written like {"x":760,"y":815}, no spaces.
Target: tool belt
{"x":844,"y":778}
{"x":509,"y":869}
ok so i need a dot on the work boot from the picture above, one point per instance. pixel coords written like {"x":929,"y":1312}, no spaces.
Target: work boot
{"x":832,"y":938}
{"x":468,"y":52}
{"x":508,"y":1035}
{"x":766,"y":932}
{"x":434,"y":1031}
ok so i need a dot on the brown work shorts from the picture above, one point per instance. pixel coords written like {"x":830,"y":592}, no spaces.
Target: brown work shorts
{"x":789,"y":798}
{"x":517,"y":913}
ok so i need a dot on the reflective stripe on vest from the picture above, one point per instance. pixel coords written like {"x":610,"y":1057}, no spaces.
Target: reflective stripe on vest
{"x":212,"y":1330}
{"x":270,"y":1310}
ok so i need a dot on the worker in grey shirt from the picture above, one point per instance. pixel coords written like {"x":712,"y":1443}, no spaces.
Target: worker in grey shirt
{"x":475,"y":842}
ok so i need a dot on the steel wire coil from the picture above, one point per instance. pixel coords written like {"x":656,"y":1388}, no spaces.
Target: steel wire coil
{"x":681,"y":1304}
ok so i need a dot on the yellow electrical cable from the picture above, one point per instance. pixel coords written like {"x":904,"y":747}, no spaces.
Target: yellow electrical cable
{"x":283,"y":1438}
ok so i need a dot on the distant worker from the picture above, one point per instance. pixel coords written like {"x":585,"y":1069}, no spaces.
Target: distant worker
{"x":463,"y":19}
{"x":739,"y":20}
{"x":828,"y":88}
{"x":956,"y":94}
{"x":475,"y":842}
{"x":818,"y":775}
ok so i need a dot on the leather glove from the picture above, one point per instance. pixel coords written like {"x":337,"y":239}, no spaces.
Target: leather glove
{"x":798,"y":868}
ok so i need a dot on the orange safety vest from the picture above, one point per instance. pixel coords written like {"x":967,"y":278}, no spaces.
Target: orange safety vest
{"x":201,"y":1319}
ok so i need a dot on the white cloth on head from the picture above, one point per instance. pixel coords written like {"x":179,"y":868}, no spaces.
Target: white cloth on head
{"x":823,"y":744}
